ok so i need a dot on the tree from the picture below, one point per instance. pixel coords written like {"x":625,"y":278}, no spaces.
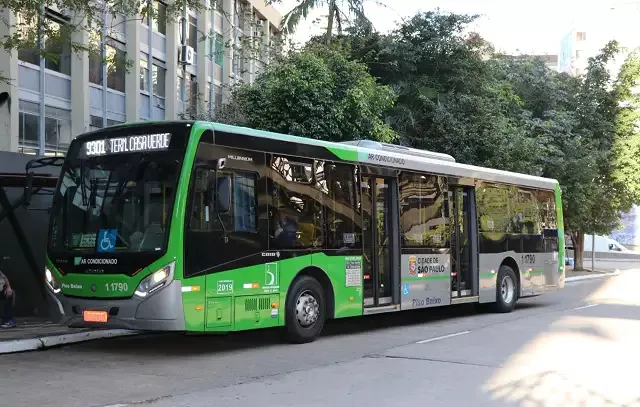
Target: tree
{"x":314,"y":93}
{"x":625,"y":152}
{"x":449,"y":99}
{"x":455,"y":95}
{"x":340,"y":12}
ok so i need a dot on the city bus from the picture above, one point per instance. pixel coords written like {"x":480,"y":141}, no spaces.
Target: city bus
{"x":195,"y":226}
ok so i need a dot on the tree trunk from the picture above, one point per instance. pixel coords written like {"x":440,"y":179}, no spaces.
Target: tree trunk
{"x":578,"y":250}
{"x":332,"y":14}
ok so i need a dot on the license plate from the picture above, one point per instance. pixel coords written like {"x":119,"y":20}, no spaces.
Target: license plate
{"x":95,"y":316}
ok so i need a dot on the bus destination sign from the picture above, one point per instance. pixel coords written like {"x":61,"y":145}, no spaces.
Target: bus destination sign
{"x":130,"y":144}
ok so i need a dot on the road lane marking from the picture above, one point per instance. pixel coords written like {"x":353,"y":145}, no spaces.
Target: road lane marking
{"x":586,"y":306}
{"x":437,"y":338}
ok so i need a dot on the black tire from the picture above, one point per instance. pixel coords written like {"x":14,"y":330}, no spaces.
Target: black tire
{"x":295,"y":331}
{"x":507,"y":280}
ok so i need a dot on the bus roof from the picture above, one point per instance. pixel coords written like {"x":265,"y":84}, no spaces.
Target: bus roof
{"x":376,"y":153}
{"x":371,"y":152}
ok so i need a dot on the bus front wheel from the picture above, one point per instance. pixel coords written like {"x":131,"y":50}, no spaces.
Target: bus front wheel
{"x":305,"y":311}
{"x":506,"y":290}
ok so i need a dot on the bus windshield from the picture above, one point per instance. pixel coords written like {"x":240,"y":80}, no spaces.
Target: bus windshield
{"x":116,"y":195}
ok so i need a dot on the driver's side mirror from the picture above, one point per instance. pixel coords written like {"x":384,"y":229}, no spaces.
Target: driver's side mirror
{"x":223,"y":194}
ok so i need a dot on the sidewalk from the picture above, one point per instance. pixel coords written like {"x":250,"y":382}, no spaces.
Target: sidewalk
{"x":34,"y":334}
{"x":571,"y":275}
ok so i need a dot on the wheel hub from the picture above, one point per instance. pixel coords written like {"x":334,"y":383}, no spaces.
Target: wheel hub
{"x":307,"y":309}
{"x":507,"y":289}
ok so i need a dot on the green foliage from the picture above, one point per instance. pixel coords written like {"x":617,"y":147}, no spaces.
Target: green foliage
{"x":318,"y":93}
{"x":625,"y":151}
{"x":341,"y":14}
{"x":457,"y":96}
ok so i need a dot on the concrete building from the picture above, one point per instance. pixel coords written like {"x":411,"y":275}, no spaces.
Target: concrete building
{"x":53,"y":101}
{"x":589,"y":33}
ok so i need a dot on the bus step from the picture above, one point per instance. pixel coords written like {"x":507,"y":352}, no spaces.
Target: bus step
{"x":383,"y":309}
{"x":464,"y":300}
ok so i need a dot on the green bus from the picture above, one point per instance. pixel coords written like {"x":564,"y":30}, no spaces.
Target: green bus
{"x":202,"y":227}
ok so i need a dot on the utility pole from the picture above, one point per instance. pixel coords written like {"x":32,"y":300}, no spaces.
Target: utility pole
{"x":593,"y":252}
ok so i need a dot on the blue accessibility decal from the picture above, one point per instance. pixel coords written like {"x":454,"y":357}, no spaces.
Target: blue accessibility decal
{"x":107,"y":240}
{"x":405,"y":289}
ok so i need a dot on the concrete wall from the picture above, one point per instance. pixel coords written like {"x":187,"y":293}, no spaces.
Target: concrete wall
{"x":34,"y":222}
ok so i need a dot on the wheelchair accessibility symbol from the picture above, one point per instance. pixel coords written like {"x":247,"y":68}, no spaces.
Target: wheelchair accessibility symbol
{"x":107,"y":240}
{"x":405,"y":289}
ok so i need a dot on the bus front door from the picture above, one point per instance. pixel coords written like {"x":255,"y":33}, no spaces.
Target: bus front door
{"x":376,"y":212}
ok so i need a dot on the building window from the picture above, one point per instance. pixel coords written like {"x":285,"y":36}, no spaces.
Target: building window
{"x":217,"y":95}
{"x":192,"y":92}
{"x":219,"y":49}
{"x":28,"y":29}
{"x":193,"y":33}
{"x":95,"y":123}
{"x":57,"y":136}
{"x":159,"y":23}
{"x":95,"y":69}
{"x":56,"y":44}
{"x":58,"y":47}
{"x":159,"y":81}
{"x":29,"y":127}
{"x":581,"y":36}
{"x":144,"y":75}
{"x":116,"y":60}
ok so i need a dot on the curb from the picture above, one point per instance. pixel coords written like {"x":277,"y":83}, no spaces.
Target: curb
{"x":592,"y":276}
{"x":31,"y":344}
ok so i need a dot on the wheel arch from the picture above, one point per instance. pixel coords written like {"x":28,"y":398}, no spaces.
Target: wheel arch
{"x":511,"y":262}
{"x":319,"y":275}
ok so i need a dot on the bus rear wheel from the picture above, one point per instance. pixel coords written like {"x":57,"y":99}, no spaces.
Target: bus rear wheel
{"x":305,"y":312}
{"x":506,"y":290}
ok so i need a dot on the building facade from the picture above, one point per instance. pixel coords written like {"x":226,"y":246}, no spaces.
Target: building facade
{"x":174,"y":70}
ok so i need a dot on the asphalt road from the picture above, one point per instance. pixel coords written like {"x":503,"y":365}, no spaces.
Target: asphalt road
{"x":574,"y":347}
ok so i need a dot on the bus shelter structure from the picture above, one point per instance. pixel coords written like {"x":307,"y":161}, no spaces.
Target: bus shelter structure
{"x":31,"y":183}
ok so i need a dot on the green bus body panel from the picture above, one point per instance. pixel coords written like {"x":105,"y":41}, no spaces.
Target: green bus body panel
{"x":254,"y":297}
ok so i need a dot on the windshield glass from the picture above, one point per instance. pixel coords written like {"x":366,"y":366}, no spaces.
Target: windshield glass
{"x":116,"y":194}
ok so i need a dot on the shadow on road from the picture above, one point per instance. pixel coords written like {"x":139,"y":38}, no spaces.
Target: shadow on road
{"x":177,"y":344}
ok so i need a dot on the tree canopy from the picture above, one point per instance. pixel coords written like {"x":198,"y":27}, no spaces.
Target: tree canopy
{"x":316,"y":93}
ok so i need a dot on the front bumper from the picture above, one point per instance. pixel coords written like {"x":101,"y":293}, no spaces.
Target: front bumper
{"x":162,"y":311}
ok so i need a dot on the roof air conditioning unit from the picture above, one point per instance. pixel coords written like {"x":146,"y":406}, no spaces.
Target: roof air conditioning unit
{"x":186,"y":55}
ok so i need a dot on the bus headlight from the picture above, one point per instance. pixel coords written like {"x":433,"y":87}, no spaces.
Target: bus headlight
{"x":155,"y":281}
{"x":51,"y":281}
